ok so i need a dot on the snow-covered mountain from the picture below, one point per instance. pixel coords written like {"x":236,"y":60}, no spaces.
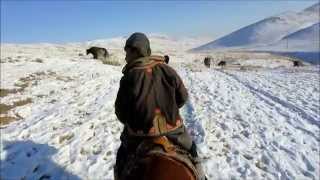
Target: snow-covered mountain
{"x":312,"y":9}
{"x":306,"y":39}
{"x":308,"y":33}
{"x":266,"y":31}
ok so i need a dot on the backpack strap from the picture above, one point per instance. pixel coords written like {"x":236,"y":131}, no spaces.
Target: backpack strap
{"x":149,"y":65}
{"x":160,"y":127}
{"x":154,"y":60}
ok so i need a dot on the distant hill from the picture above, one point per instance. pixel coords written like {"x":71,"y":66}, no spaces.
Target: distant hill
{"x":306,"y":39}
{"x":267,"y":31}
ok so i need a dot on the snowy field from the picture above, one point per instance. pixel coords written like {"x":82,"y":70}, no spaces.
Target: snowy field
{"x":257,"y":122}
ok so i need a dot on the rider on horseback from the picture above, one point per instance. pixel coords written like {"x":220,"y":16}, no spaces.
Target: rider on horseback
{"x":148,"y":102}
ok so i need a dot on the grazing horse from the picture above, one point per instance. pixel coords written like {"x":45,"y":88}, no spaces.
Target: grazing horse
{"x":207,"y":62}
{"x":222,"y":63}
{"x":166,"y":59}
{"x":297,"y":63}
{"x":98,"y":53}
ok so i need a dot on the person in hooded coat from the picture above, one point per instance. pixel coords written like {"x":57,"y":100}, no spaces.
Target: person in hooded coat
{"x":149,"y":90}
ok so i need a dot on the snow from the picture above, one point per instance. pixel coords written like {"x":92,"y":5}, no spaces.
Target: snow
{"x":313,"y":8}
{"x":306,"y":39}
{"x":253,"y":123}
{"x":268,"y":31}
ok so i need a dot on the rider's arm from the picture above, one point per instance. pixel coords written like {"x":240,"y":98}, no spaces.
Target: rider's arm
{"x":122,"y":103}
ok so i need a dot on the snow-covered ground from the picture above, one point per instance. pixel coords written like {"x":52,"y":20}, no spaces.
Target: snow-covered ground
{"x":249,"y":123}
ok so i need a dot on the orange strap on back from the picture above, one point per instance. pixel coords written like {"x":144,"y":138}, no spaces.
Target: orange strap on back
{"x":149,"y":65}
{"x":165,"y":143}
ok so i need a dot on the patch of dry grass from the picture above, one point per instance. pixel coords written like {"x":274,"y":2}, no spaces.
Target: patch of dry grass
{"x":6,"y":92}
{"x":4,"y":109}
{"x":38,"y":60}
{"x":32,"y":79}
{"x":6,"y":120}
{"x":9,"y":60}
{"x":250,"y":68}
{"x":22,"y":84}
{"x":111,"y":61}
{"x":63,"y":78}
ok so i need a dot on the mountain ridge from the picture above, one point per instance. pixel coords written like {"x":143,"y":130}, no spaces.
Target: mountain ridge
{"x":266,"y":31}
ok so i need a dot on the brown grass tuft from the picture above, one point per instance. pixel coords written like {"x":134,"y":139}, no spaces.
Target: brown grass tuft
{"x":6,"y":120}
{"x":6,"y":92}
{"x":4,"y":109}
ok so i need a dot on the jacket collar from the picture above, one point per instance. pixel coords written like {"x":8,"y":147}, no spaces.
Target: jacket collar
{"x":135,"y":63}
{"x":143,"y":62}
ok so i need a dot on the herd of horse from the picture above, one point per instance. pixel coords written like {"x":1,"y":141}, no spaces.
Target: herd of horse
{"x":102,"y":53}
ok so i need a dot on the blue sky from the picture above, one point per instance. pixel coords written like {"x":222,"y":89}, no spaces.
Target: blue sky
{"x":69,"y":21}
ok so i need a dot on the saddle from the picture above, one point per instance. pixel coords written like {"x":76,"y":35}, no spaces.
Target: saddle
{"x":159,"y":159}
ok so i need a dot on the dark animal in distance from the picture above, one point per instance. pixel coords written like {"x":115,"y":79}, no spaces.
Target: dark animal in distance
{"x":207,"y":62}
{"x":166,"y":59}
{"x":222,"y":63}
{"x":98,"y":53}
{"x":297,"y":63}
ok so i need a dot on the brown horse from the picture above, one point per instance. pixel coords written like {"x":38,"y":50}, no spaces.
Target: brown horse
{"x":207,"y":61}
{"x":161,"y":160}
{"x":161,"y":167}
